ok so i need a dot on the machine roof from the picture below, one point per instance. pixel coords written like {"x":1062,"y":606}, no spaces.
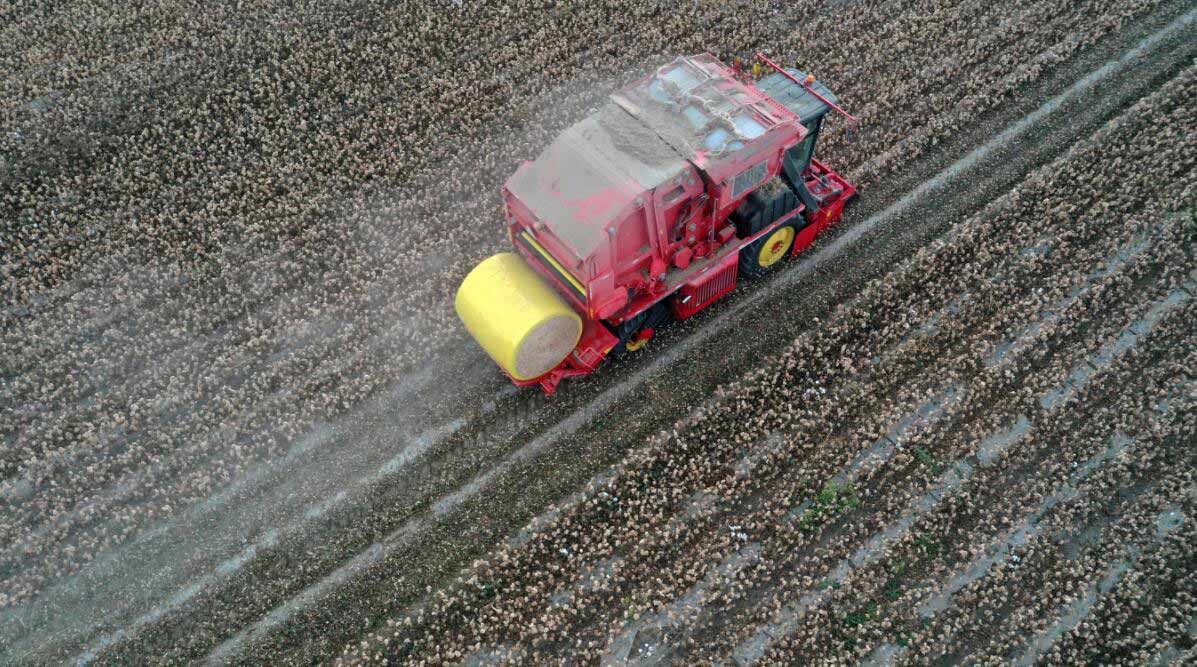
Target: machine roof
{"x":698,"y":106}
{"x":591,"y":172}
{"x":795,"y":97}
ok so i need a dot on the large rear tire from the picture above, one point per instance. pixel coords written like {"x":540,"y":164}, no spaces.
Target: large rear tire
{"x":766,"y":253}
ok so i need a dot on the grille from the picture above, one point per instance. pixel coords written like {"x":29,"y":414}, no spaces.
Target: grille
{"x":746,"y":179}
{"x":706,"y":289}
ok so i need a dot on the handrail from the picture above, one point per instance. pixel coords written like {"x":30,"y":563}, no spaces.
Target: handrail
{"x":806,"y":86}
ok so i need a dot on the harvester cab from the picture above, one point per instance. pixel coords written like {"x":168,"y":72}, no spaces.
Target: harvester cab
{"x":650,"y":209}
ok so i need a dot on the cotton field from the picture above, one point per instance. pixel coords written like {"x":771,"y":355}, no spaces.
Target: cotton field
{"x":241,"y":422}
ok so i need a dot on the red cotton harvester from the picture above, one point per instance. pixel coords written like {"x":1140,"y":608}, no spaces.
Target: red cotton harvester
{"x":649,"y":210}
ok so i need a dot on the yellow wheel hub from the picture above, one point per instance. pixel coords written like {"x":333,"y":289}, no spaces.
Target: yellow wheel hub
{"x":633,"y":345}
{"x":776,"y":246}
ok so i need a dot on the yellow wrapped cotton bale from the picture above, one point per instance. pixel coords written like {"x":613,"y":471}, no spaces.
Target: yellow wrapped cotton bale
{"x":525,"y":326}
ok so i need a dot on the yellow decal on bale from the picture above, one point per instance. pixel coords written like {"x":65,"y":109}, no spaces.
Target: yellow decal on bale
{"x":525,"y":326}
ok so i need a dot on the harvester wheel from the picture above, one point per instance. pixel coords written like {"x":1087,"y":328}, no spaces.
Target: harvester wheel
{"x":635,"y":333}
{"x":640,"y":341}
{"x":763,"y":254}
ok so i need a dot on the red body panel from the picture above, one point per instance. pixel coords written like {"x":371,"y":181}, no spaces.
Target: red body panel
{"x":823,"y":182}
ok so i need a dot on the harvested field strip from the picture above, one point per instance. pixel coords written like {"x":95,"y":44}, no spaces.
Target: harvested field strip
{"x":123,"y":565}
